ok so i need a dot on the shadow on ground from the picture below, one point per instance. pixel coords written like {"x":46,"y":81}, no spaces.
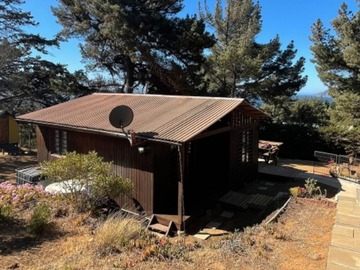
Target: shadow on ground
{"x":15,"y":236}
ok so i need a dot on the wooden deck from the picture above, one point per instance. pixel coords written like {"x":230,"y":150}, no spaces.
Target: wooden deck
{"x":236,"y":199}
{"x":279,"y":170}
{"x":260,"y":201}
{"x":245,"y":201}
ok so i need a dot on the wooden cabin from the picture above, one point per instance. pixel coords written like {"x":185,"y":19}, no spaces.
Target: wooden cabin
{"x":9,"y":131}
{"x":189,"y":150}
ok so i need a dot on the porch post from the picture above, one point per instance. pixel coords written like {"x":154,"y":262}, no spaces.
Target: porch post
{"x":181,"y":158}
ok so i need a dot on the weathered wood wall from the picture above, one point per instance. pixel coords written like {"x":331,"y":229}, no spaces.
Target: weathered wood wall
{"x":9,"y":130}
{"x":128,"y":162}
{"x":4,"y":130}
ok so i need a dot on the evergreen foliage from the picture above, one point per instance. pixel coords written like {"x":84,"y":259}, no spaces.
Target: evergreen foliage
{"x":344,"y":124}
{"x":337,"y":58}
{"x":298,"y":124}
{"x":309,"y":112}
{"x":239,"y":66}
{"x":28,"y":82}
{"x":142,"y":43}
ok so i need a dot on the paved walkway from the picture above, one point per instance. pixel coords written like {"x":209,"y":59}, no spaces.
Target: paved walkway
{"x":344,"y":250}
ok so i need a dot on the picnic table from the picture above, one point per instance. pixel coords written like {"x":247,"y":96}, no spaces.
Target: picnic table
{"x":269,"y":151}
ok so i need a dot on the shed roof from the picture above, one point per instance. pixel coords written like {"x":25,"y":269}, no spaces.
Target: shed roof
{"x":158,"y":117}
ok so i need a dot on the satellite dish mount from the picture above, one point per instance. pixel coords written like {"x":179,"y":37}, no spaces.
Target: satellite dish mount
{"x":120,"y":117}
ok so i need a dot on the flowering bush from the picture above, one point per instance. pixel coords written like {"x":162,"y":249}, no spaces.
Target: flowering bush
{"x":20,"y":195}
{"x":310,"y":190}
{"x":23,"y":196}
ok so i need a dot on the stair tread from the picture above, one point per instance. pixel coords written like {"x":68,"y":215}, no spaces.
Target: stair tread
{"x":158,"y":227}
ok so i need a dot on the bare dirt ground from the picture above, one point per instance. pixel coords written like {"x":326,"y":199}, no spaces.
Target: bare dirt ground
{"x":299,"y":239}
{"x":8,"y":164}
{"x":305,"y":166}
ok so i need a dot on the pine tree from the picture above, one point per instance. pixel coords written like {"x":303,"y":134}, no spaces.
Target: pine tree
{"x":239,"y":66}
{"x":344,"y":125}
{"x":28,"y":82}
{"x":142,"y":43}
{"x":337,"y":59}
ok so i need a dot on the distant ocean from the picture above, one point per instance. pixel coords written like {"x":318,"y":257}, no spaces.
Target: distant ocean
{"x":322,"y":95}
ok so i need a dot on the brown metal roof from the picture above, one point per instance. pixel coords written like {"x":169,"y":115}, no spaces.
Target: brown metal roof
{"x":159,"y":117}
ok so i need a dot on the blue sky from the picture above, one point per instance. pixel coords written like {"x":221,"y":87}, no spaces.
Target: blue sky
{"x":290,"y":19}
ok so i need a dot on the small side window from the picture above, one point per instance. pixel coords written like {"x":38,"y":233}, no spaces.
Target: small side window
{"x":57,"y":142}
{"x":60,"y":142}
{"x":64,"y":142}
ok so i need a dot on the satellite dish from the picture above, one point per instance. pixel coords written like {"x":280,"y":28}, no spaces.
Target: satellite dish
{"x":121,"y":116}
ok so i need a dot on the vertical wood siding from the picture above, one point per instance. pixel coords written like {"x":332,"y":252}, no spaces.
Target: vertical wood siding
{"x":127,"y":161}
{"x":43,"y":140}
{"x":4,"y":130}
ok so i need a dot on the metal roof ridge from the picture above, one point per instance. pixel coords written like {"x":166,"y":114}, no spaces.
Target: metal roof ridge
{"x":168,"y":96}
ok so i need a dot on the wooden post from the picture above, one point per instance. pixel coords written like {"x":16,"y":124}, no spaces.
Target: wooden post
{"x":181,"y":159}
{"x":180,"y":205}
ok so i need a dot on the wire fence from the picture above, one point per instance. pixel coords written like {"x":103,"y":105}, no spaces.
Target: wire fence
{"x":337,"y":165}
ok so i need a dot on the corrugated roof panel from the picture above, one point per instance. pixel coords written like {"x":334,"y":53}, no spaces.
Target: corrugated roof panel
{"x":170,"y":118}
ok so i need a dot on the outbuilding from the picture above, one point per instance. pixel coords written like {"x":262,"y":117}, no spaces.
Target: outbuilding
{"x":9,"y":131}
{"x":182,"y":152}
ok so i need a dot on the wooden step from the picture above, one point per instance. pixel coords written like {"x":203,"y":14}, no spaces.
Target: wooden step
{"x":158,"y":227}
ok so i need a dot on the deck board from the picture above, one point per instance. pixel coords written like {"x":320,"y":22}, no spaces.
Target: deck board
{"x":236,"y":199}
{"x":260,"y":201}
{"x":279,"y":170}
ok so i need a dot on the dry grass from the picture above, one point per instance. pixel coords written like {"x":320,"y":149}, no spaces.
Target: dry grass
{"x":115,"y":234}
{"x":310,"y":232}
{"x":298,"y":240}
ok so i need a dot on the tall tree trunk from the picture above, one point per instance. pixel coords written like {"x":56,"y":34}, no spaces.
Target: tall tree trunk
{"x":129,"y":79}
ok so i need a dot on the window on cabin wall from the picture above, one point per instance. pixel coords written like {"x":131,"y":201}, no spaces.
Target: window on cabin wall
{"x":64,"y":142}
{"x":245,"y":147}
{"x":60,"y":142}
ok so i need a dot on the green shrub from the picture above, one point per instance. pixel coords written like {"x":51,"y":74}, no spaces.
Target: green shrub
{"x":310,"y":185}
{"x":91,"y":179}
{"x":5,"y":212}
{"x":294,"y":191}
{"x":40,"y":218}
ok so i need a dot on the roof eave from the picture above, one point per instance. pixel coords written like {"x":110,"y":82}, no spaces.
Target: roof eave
{"x":95,"y":131}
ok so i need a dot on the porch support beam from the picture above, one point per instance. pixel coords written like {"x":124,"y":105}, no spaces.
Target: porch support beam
{"x":181,"y":160}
